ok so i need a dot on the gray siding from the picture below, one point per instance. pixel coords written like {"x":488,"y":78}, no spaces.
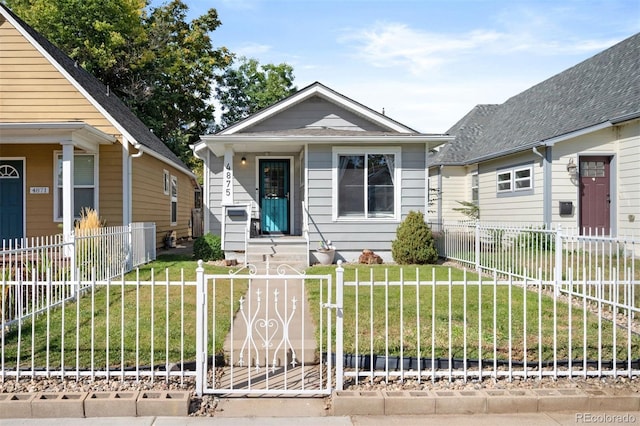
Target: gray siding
{"x":351,"y":237}
{"x":315,"y":112}
{"x":244,"y":193}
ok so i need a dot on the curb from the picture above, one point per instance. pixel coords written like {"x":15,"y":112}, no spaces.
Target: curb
{"x":494,"y":401}
{"x":94,"y":404}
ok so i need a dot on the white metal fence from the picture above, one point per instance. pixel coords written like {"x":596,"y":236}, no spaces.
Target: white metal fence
{"x":141,"y":330}
{"x":535,"y":253}
{"x":407,"y":326}
{"x":268,"y":344}
{"x":27,"y":264}
{"x":577,"y":316}
{"x":418,"y":327}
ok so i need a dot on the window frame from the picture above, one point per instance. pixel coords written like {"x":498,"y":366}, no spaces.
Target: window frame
{"x":397,"y":190}
{"x":57,"y":199}
{"x":475,"y":188}
{"x":166,"y":182}
{"x":173,"y":205}
{"x":513,"y":180}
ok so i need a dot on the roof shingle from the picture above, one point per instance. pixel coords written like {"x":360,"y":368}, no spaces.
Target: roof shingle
{"x":592,"y":92}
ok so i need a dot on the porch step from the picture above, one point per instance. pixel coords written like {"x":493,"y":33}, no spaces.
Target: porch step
{"x":291,"y":251}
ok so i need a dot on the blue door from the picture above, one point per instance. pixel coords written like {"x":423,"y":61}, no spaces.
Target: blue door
{"x":11,"y":199}
{"x":274,"y":196}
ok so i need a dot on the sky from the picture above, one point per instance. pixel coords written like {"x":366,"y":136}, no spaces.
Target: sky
{"x":426,"y":63}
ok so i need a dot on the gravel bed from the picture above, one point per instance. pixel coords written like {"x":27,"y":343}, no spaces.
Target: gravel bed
{"x":206,"y":405}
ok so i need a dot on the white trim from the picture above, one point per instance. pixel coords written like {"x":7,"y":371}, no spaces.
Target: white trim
{"x":96,"y":186}
{"x":173,"y":199}
{"x":166,"y":184}
{"x":292,"y":201}
{"x":285,"y":144}
{"x":24,"y":190}
{"x":512,"y":171}
{"x":352,"y":150}
{"x":96,"y":104}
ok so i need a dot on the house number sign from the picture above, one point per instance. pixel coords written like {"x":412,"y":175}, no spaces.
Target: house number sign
{"x":227,"y":179}
{"x":38,"y":190}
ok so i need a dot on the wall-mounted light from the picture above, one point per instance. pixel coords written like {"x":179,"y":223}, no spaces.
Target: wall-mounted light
{"x":572,"y":168}
{"x":243,"y":160}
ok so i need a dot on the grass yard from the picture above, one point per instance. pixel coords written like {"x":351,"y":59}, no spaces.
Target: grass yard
{"x":389,"y":317}
{"x":158,"y":321}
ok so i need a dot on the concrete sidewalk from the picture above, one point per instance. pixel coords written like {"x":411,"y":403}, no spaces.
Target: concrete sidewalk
{"x":523,"y":419}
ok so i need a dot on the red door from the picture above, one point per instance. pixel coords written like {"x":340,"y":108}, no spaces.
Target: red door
{"x":595,"y":195}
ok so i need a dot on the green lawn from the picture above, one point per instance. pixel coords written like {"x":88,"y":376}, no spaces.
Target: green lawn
{"x":374,"y":331}
{"x":74,"y":325}
{"x":380,"y":324}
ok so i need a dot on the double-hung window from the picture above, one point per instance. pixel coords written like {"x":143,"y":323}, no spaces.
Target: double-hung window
{"x":174,"y":200}
{"x":474,"y":188}
{"x":84,"y":184}
{"x":515,"y":179}
{"x":366,"y":184}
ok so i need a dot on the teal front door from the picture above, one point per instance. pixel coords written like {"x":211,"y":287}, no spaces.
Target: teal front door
{"x":274,"y":196}
{"x":11,"y":199}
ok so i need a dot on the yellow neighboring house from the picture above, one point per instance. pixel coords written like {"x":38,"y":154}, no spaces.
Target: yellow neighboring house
{"x":67,"y":143}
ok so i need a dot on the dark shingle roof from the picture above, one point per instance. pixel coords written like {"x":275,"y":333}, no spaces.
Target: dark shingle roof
{"x":593,"y":92}
{"x":98,"y":91}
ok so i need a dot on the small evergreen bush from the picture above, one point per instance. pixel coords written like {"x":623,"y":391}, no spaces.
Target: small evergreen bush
{"x":414,"y":243}
{"x":208,"y":247}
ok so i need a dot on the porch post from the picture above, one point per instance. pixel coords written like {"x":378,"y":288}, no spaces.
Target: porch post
{"x":227,"y":177}
{"x":67,"y":203}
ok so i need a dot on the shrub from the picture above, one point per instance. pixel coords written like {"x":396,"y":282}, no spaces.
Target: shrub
{"x":414,"y":243}
{"x":208,"y":247}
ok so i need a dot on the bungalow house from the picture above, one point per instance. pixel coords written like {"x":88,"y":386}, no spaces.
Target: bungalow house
{"x":313,"y":168}
{"x":564,"y":152}
{"x":66,"y":143}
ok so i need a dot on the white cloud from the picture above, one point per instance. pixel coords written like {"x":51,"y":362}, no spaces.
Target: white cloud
{"x":390,"y":45}
{"x":251,"y":50}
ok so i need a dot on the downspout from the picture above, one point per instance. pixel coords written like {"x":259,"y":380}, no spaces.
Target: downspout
{"x":546,"y":185}
{"x":130,"y":179}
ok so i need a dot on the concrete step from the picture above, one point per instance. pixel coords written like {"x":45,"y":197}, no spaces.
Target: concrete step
{"x":290,"y":251}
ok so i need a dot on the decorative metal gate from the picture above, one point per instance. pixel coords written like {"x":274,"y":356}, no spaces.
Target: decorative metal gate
{"x":256,"y":333}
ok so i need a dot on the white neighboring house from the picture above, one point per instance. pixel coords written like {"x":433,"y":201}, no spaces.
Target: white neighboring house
{"x":566,"y":151}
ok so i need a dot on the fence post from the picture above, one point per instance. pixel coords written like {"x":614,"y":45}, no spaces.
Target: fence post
{"x":201,"y":311}
{"x":558,"y":266}
{"x":339,"y":326}
{"x":477,"y":245}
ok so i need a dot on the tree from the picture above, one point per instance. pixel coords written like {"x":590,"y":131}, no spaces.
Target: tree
{"x":250,"y":87}
{"x":96,"y":33}
{"x":160,"y":65}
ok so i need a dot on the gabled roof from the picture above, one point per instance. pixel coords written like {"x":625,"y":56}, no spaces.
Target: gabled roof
{"x":373,"y":128}
{"x":599,"y":91}
{"x":322,"y":91}
{"x":98,"y":94}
